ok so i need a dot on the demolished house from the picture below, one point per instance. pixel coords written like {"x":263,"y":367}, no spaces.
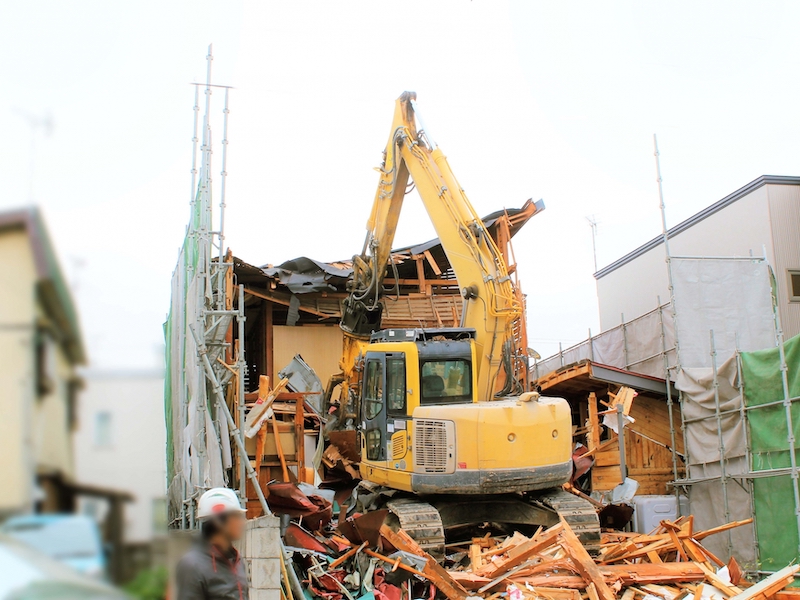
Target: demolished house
{"x":253,"y":356}
{"x":292,"y":326}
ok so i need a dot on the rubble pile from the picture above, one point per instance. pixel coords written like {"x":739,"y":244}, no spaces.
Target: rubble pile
{"x":368,"y":557}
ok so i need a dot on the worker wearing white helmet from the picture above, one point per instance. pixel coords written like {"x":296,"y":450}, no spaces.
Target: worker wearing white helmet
{"x":213,"y":569}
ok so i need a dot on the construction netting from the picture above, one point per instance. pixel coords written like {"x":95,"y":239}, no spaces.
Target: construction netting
{"x":722,"y":305}
{"x":638,"y":345}
{"x":198,"y":444}
{"x":770,"y":444}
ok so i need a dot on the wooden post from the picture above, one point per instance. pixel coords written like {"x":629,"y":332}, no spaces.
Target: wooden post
{"x":300,"y":440}
{"x":279,"y":448}
{"x":116,"y":524}
{"x":593,"y":435}
{"x":423,"y":287}
{"x":269,"y":342}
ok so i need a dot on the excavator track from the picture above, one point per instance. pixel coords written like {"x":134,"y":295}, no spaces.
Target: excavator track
{"x":427,"y":523}
{"x":579,"y":514}
{"x":422,"y":522}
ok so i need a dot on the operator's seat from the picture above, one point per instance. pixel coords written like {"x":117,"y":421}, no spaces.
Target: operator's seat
{"x":432,"y":386}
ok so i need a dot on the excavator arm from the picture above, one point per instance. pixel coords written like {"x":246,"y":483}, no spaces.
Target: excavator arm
{"x":490,"y":304}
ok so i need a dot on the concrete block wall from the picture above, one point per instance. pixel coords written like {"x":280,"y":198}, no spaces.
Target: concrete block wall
{"x":261,"y":550}
{"x":178,"y":543}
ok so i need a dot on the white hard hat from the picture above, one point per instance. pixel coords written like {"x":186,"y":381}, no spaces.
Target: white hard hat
{"x":218,"y":501}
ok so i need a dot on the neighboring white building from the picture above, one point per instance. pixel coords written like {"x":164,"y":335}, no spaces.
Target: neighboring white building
{"x":120,"y":443}
{"x":40,"y":347}
{"x":764,"y":215}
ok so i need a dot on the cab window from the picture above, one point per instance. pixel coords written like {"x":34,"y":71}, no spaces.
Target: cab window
{"x":396,"y":385}
{"x":446,"y":381}
{"x":373,"y":389}
{"x":374,"y":444}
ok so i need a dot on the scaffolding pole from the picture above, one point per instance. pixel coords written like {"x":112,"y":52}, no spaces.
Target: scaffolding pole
{"x":720,"y":439}
{"x":236,"y":433}
{"x":221,"y":233}
{"x":625,"y":357}
{"x":202,"y":237}
{"x":670,"y":407}
{"x":671,"y":287}
{"x":787,"y":406}
{"x":747,"y":448}
{"x":242,"y":372}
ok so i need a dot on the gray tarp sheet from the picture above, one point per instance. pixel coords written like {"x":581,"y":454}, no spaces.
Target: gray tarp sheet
{"x":732,"y":298}
{"x":636,"y":345}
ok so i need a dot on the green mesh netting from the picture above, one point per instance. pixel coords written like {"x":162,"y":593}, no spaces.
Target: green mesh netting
{"x":776,"y":524}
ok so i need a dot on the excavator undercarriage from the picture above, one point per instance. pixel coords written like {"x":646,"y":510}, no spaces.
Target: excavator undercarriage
{"x":437,"y":521}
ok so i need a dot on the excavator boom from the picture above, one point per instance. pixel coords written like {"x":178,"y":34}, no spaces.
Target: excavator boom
{"x":490,"y":305}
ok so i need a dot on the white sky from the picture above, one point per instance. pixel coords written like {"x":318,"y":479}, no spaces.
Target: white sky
{"x":549,"y":100}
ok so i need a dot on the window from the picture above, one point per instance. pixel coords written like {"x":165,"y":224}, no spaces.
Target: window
{"x":794,"y":285}
{"x":446,"y":381}
{"x":396,"y":385}
{"x":373,"y":389}
{"x":45,"y":366}
{"x":73,"y":386}
{"x":102,"y":429}
{"x":374,"y":444}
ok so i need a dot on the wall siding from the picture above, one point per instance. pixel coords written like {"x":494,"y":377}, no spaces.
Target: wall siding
{"x":319,"y":345}
{"x":784,"y":208}
{"x":736,"y":230}
{"x":17,"y":320}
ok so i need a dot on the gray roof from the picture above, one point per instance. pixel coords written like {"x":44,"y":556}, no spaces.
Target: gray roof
{"x":694,"y":219}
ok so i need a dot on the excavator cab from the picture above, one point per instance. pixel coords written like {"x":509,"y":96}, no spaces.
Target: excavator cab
{"x":423,"y":429}
{"x":403,"y":370}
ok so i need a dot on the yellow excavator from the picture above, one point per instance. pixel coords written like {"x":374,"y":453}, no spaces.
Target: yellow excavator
{"x":444,"y":445}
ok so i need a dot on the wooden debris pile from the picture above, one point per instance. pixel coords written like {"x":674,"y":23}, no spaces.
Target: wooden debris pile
{"x":668,"y":564}
{"x":281,"y":432}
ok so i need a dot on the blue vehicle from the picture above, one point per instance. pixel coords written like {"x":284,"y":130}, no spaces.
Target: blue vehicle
{"x":70,"y":539}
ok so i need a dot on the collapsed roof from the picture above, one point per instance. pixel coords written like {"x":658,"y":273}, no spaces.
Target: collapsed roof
{"x":305,"y":275}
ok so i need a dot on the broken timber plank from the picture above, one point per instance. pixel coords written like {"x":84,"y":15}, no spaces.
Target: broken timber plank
{"x":557,"y":593}
{"x":647,"y":573}
{"x":260,"y":411}
{"x":698,"y":591}
{"x":343,"y":558}
{"x":717,"y":582}
{"x":769,"y":586}
{"x":505,"y":575}
{"x":704,"y":534}
{"x":475,"y":557}
{"x":523,"y":552}
{"x":584,"y":563}
{"x":676,"y":542}
{"x":709,"y":554}
{"x":569,"y":581}
{"x":434,"y":572}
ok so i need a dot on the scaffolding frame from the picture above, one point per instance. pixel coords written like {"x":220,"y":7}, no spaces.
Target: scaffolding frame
{"x":205,"y":317}
{"x":670,"y":369}
{"x":742,"y":409}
